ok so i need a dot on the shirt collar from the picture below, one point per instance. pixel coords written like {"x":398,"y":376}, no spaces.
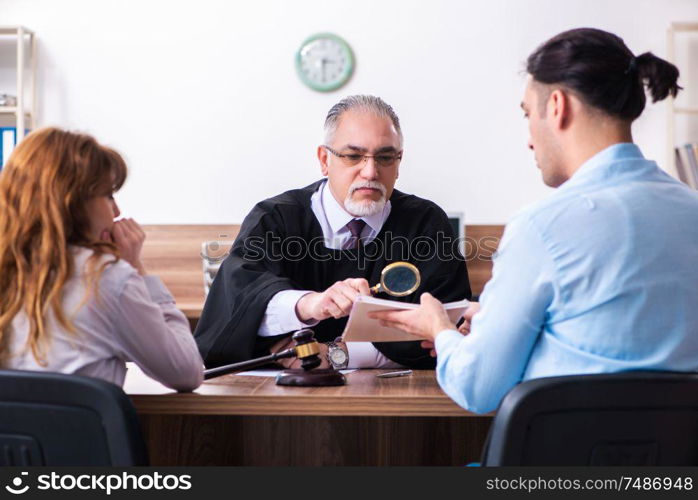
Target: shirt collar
{"x":603,"y":159}
{"x":338,"y":217}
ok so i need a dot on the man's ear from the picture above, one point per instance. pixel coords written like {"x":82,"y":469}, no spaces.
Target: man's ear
{"x":559,"y":108}
{"x":322,"y":157}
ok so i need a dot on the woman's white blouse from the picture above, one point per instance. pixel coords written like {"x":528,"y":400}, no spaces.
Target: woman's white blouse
{"x":133,"y":318}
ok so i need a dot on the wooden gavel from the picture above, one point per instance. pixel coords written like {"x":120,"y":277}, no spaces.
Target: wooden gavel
{"x":306,"y":349}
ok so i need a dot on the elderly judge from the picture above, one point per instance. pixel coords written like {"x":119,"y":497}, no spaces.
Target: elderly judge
{"x":302,"y":257}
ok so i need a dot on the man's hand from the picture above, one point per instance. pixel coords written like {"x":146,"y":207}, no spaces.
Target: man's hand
{"x":464,"y":328}
{"x":426,"y":321}
{"x":128,"y":238}
{"x":426,"y":344}
{"x":335,"y":302}
{"x":471,"y":311}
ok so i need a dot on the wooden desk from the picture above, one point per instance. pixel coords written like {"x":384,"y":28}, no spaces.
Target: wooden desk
{"x":247,"y":420}
{"x":250,"y":421}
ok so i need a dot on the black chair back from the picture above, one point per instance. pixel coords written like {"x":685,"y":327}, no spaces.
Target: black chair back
{"x":55,"y":419}
{"x":631,"y":418}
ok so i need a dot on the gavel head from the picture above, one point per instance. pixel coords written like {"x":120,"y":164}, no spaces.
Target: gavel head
{"x":307,"y":349}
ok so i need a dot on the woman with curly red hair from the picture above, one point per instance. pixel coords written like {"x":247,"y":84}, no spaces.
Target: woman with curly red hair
{"x":74,"y":295}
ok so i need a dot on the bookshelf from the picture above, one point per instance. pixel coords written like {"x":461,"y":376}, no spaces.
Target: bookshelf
{"x":21,"y":116}
{"x":676,"y":30}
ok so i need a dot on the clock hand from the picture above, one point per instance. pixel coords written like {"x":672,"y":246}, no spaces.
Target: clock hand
{"x":323,"y":62}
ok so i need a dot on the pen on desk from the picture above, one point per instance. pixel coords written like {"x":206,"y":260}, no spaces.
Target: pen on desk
{"x":401,"y":373}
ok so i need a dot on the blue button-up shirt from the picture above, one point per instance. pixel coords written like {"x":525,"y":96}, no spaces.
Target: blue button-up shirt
{"x":600,"y":277}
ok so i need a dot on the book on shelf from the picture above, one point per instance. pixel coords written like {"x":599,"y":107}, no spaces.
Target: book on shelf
{"x":8,"y":141}
{"x":361,"y":328}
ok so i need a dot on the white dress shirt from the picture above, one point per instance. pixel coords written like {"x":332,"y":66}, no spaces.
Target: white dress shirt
{"x":280,"y":316}
{"x":134,"y":318}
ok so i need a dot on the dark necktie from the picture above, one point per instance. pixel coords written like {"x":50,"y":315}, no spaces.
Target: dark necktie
{"x":355,"y":227}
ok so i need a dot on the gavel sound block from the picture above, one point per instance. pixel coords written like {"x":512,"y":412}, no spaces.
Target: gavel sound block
{"x":306,"y":349}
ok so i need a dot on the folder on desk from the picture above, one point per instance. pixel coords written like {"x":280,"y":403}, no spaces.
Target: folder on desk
{"x":361,"y":328}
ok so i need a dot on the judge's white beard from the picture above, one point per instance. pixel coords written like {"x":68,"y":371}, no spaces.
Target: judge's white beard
{"x":365,"y":208}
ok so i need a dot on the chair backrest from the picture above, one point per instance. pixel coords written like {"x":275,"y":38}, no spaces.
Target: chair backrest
{"x":631,"y":418}
{"x":55,"y":419}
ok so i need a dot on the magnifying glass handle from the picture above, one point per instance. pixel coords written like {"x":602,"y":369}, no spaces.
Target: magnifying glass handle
{"x":376,"y":289}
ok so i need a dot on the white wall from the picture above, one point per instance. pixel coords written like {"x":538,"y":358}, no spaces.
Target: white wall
{"x":203,"y":99}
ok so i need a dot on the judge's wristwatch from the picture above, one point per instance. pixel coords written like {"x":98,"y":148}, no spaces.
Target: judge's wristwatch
{"x":337,"y":355}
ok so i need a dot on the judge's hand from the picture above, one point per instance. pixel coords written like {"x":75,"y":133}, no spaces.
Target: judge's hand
{"x":128,"y":237}
{"x":335,"y":302}
{"x":427,"y":321}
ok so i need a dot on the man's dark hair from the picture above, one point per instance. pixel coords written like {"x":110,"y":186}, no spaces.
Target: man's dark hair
{"x":601,"y":70}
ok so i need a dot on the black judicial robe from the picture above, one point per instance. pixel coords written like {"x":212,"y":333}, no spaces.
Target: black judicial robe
{"x":280,"y":247}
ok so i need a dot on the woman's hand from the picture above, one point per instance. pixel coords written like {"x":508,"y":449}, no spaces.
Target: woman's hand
{"x":128,"y":237}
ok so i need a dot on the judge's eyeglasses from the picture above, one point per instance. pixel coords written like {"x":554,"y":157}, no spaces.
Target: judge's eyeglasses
{"x":385,"y":160}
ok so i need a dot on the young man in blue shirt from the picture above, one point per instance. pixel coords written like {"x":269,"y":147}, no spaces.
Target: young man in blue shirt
{"x":603,"y":275}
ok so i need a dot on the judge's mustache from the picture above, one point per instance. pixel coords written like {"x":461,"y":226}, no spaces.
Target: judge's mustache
{"x":368,"y":184}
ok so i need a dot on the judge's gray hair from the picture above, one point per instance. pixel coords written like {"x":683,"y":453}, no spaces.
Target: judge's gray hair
{"x":367,"y":103}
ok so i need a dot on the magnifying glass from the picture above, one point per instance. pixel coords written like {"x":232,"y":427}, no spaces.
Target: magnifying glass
{"x":398,"y":279}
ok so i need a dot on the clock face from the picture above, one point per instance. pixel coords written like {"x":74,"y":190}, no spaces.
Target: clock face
{"x":324,"y":62}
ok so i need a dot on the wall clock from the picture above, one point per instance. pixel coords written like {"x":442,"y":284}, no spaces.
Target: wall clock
{"x":324,"y":62}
